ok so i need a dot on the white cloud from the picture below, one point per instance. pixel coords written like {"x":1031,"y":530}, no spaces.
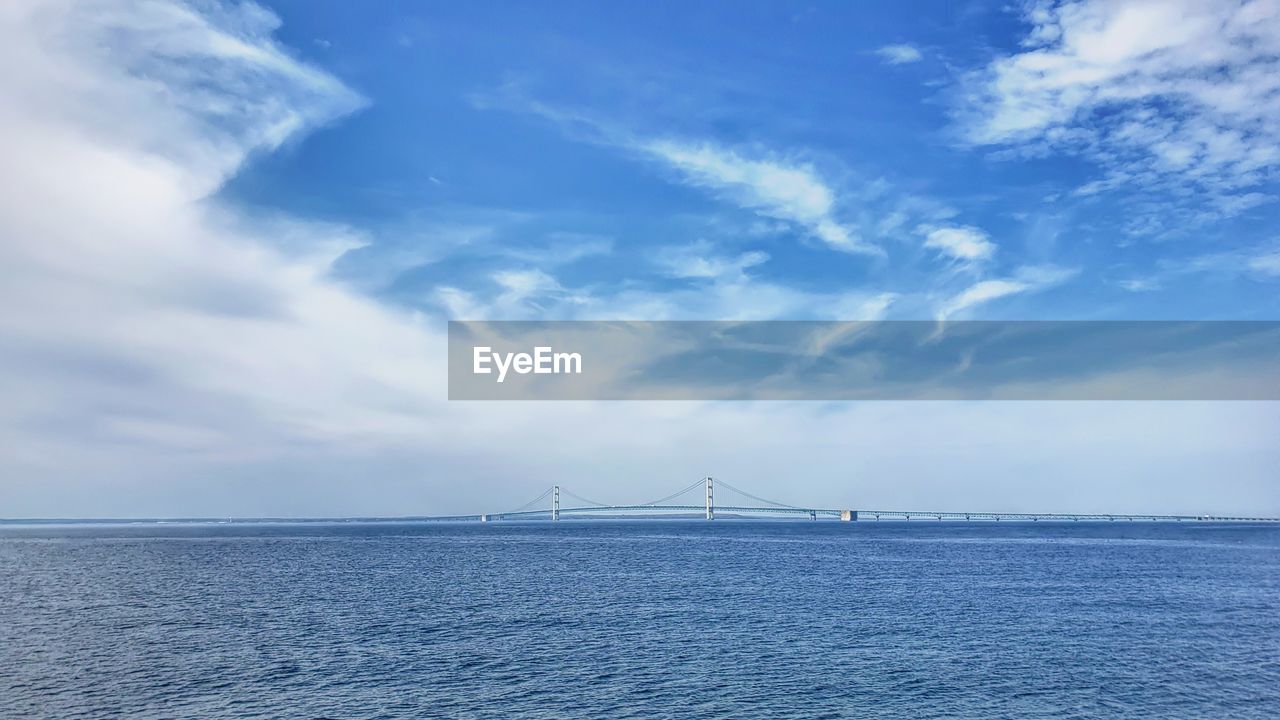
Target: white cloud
{"x":1026,"y":279}
{"x":562,"y":248}
{"x":523,"y":294}
{"x":1158,"y":93}
{"x":1266,"y":264}
{"x":1259,"y":262}
{"x":459,"y":304}
{"x":529,"y":292}
{"x":786,"y":191}
{"x":770,"y":186}
{"x":729,"y":294}
{"x":1140,"y":284}
{"x":979,"y":293}
{"x":851,"y":306}
{"x":900,"y":54}
{"x":963,"y":243}
{"x":700,"y":260}
{"x":227,"y":87}
{"x":519,"y":285}
{"x":139,"y":311}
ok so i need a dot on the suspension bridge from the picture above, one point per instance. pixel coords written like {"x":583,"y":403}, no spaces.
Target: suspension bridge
{"x":700,"y":498}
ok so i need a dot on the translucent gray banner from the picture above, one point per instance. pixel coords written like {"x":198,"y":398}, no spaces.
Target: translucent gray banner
{"x":890,"y":360}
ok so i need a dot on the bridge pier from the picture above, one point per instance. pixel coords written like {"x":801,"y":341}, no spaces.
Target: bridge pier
{"x":848,"y":515}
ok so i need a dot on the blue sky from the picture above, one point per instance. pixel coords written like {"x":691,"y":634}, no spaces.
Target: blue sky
{"x":231,"y":235}
{"x":601,"y":159}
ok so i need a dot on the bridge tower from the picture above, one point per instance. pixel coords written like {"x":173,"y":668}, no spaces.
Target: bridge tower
{"x":711,"y":505}
{"x":555,"y":504}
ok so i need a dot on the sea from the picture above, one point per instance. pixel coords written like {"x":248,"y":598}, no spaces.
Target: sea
{"x":640,"y":619}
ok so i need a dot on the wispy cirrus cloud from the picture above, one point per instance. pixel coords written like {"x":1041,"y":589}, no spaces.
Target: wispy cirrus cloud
{"x":1261,"y":262}
{"x":1160,"y":94}
{"x":514,"y":294}
{"x":900,"y":54}
{"x":961,"y":243}
{"x":1024,"y":280}
{"x":230,"y":89}
{"x":718,"y":286}
{"x":1266,"y":264}
{"x":772,"y":186}
{"x":782,"y":187}
{"x":699,"y":260}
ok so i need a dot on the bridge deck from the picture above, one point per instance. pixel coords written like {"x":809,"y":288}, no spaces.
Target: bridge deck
{"x":675,"y":503}
{"x":862,"y":515}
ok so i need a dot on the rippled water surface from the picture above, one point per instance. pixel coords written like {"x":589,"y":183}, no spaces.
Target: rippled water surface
{"x":641,"y":619}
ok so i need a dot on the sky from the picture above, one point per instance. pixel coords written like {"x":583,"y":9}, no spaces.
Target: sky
{"x":231,"y":235}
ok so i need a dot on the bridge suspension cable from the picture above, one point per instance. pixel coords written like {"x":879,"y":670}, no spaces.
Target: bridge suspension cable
{"x":699,"y":483}
{"x":579,"y":498}
{"x":757,"y":498}
{"x":545,"y":494}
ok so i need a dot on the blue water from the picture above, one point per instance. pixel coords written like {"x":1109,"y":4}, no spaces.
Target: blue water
{"x":728,"y":619}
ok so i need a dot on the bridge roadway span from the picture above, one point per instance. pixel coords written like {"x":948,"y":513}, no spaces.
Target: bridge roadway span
{"x":709,"y":509}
